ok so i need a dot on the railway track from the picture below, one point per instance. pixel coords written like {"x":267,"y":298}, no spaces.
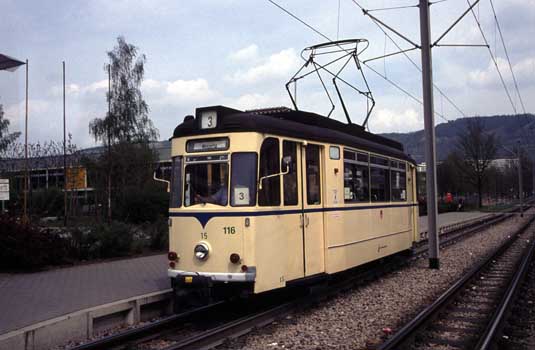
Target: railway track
{"x":513,"y":323}
{"x":467,"y":315}
{"x":178,"y":331}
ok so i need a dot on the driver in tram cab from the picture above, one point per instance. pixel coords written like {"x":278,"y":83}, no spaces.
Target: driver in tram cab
{"x":220,"y":197}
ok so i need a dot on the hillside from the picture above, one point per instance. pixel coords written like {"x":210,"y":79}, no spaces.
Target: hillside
{"x":509,"y":128}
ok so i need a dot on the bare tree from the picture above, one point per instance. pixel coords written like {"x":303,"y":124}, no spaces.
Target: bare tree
{"x":477,"y":149}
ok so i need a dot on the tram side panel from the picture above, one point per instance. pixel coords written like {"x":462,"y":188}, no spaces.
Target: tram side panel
{"x":278,"y":247}
{"x":358,"y":234}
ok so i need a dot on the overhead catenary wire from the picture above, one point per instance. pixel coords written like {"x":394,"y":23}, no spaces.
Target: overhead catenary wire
{"x":507,"y":56}
{"x":300,"y":20}
{"x":404,"y":52}
{"x":397,"y":86}
{"x":392,"y":8}
{"x":492,"y":57}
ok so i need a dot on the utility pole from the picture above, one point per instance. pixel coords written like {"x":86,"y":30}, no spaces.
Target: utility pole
{"x":429,"y":131}
{"x":64,"y":154}
{"x":109,"y":143}
{"x":533,"y":177}
{"x":25,"y":218}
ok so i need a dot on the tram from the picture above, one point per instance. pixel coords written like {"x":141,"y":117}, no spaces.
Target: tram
{"x":265,"y":198}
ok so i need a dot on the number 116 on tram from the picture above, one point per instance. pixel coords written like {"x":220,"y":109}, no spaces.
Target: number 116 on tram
{"x":263,"y":199}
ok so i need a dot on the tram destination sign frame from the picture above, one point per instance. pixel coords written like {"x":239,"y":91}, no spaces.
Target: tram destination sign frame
{"x":4,"y":189}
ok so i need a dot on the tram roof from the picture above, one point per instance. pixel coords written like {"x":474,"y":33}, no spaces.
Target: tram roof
{"x":290,"y":123}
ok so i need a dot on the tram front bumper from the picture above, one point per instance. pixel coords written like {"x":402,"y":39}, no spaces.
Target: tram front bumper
{"x":209,"y":278}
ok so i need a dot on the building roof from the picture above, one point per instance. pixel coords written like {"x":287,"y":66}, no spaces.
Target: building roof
{"x":162,"y":148}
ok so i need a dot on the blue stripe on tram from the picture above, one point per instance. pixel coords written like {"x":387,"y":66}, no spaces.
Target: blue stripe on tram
{"x":204,"y":217}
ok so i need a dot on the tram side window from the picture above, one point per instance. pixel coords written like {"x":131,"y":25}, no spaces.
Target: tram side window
{"x":243,"y":179}
{"x":380,"y":179}
{"x":289,"y":149}
{"x":270,"y":194}
{"x":356,"y":183}
{"x":313,"y":174}
{"x":175,"y":197}
{"x":398,"y":185}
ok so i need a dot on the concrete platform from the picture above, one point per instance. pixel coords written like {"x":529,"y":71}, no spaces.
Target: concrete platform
{"x":30,"y":298}
{"x":446,"y":219}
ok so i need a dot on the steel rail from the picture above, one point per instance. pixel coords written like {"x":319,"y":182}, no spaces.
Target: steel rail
{"x":150,"y":329}
{"x":508,"y":299}
{"x":407,"y":331}
{"x":462,"y":232}
{"x":216,"y":336}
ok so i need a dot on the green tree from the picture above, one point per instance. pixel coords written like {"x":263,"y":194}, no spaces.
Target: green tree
{"x":477,"y":149}
{"x":6,"y":138}
{"x":126,"y":129}
{"x":128,"y":119}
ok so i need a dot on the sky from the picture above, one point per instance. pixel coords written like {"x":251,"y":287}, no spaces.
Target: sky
{"x":240,"y":53}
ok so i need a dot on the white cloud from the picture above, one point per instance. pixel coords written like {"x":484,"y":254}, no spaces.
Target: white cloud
{"x":489,"y":78}
{"x":151,"y":84}
{"x":190,"y":90}
{"x":246,"y":54}
{"x":256,"y":100}
{"x":98,"y":85}
{"x":387,"y":120}
{"x":281,"y":64}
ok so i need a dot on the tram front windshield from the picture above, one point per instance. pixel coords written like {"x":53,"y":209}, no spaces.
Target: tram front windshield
{"x":206,"y":183}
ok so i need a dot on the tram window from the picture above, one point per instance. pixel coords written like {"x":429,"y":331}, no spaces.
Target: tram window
{"x":380,"y":184}
{"x":313,"y":174}
{"x":399,"y":185}
{"x":270,"y":194}
{"x":243,"y":179}
{"x":289,"y":149}
{"x":175,"y":197}
{"x":356,"y":183}
{"x":349,"y":155}
{"x":362,"y":157}
{"x":206,"y":183}
{"x":334,"y":152}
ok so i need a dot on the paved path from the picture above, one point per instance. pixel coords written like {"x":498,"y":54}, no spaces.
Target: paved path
{"x":26,"y":299}
{"x":445,"y":219}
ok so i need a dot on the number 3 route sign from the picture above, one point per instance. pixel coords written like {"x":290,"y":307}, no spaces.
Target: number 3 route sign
{"x":4,"y":189}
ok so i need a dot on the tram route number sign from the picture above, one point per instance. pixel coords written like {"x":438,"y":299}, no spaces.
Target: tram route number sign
{"x":4,"y":189}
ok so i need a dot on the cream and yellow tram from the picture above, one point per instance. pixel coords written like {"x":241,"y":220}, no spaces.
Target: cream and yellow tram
{"x":264,"y":198}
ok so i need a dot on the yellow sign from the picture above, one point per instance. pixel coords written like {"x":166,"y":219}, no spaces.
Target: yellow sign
{"x":76,"y":178}
{"x":188,"y":279}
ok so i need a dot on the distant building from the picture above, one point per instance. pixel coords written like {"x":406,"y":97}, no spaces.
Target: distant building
{"x":47,"y":172}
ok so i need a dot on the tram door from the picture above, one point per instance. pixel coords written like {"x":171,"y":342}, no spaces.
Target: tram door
{"x":312,"y":209}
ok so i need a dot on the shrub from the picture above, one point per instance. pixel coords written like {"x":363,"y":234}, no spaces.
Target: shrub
{"x":159,"y":234}
{"x":47,"y":202}
{"x":29,"y":247}
{"x":107,"y":240}
{"x":139,"y":205}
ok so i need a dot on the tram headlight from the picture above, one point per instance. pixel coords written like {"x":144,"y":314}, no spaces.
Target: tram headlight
{"x":201,"y":251}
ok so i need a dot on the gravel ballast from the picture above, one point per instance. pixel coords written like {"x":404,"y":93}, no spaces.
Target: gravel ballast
{"x":360,"y":317}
